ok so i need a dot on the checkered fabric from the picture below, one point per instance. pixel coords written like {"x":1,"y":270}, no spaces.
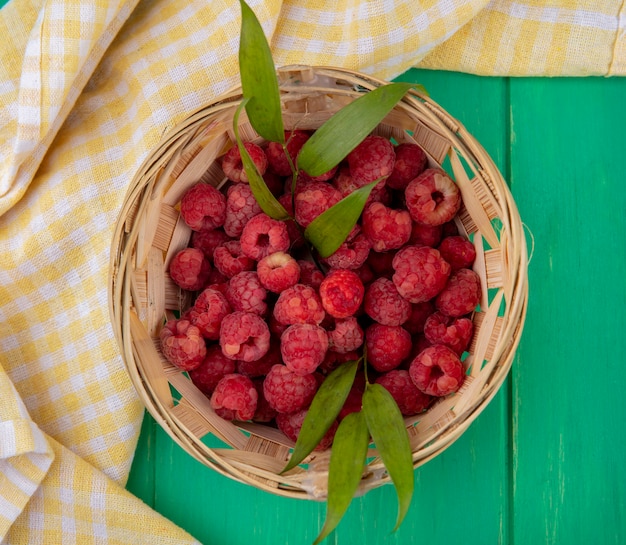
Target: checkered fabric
{"x":86,"y":90}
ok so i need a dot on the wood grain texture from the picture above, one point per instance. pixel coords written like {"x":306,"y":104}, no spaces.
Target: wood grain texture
{"x":543,"y":464}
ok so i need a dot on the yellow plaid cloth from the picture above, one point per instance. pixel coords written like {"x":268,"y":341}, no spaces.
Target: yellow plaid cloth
{"x":86,"y":90}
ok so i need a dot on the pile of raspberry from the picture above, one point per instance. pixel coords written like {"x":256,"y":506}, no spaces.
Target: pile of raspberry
{"x":271,"y":320}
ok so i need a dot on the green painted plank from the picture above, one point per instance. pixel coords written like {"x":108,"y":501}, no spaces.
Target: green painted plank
{"x":142,"y":473}
{"x":567,"y":159}
{"x":461,"y":496}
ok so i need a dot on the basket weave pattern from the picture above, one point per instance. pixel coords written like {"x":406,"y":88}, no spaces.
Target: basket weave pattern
{"x":150,"y":232}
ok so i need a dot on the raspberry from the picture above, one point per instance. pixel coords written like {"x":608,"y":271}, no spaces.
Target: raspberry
{"x":384,"y":304}
{"x":233,"y":167}
{"x":235,"y":398}
{"x":341,"y":293}
{"x":262,"y":236}
{"x":310,"y":275}
{"x":203,"y":207}
{"x":314,"y":199}
{"x":409,"y":398}
{"x":303,"y":347}
{"x":419,"y":314}
{"x":344,"y":182}
{"x":455,"y":333}
{"x":324,"y":177}
{"x":189,"y":269}
{"x":299,"y":304}
{"x":212,"y":369}
{"x":386,"y":346}
{"x":229,"y":260}
{"x":386,"y":228}
{"x":381,"y":263}
{"x":334,"y":359}
{"x":291,"y":424}
{"x":245,"y":293}
{"x":241,"y":207}
{"x":296,"y":238}
{"x":420,"y":273}
{"x":425,"y":235}
{"x":278,"y":271}
{"x":354,"y":401}
{"x":182,"y":344}
{"x":278,"y":162}
{"x":411,"y":161}
{"x":287,"y":392}
{"x":458,"y":251}
{"x":244,"y":336}
{"x":372,"y":159}
{"x":461,"y":294}
{"x":207,"y":240}
{"x":351,"y":254}
{"x":208,"y":312}
{"x":346,"y":335}
{"x":437,"y":371}
{"x":264,"y":412}
{"x":432,"y":198}
{"x":366,"y":274}
{"x":262,"y":366}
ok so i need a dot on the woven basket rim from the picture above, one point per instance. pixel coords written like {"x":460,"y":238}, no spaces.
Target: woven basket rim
{"x":135,"y":250}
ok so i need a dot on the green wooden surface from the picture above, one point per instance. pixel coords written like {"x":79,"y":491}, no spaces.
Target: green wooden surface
{"x":543,"y":464}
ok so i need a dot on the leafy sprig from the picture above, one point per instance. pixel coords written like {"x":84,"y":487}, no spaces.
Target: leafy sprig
{"x":379,"y":419}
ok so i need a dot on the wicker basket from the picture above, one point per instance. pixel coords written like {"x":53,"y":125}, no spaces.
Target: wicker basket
{"x":150,"y":232}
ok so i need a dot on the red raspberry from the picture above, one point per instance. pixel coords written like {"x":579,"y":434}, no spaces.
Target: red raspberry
{"x":425,"y":235}
{"x":264,"y":412}
{"x":458,"y":251}
{"x":203,"y":207}
{"x":345,"y":336}
{"x":278,"y":271}
{"x":207,"y":240}
{"x":262,"y":366}
{"x":420,"y":273}
{"x":245,"y":293}
{"x":324,"y":177}
{"x":346,"y":185}
{"x":287,"y":392}
{"x":419,"y":314}
{"x":310,"y":275}
{"x":276,"y":328}
{"x":366,"y":274}
{"x":354,"y":401}
{"x":262,"y":236}
{"x":212,"y":369}
{"x":341,"y":293}
{"x":455,"y":333}
{"x":182,"y":344}
{"x":299,"y":304}
{"x":381,"y":263}
{"x":229,"y":260}
{"x":241,"y":207}
{"x":291,"y":424}
{"x":351,"y":254}
{"x":233,"y":167}
{"x":409,"y":398}
{"x":432,"y":198}
{"x":207,"y":313}
{"x":384,"y":304}
{"x":303,"y":347}
{"x":461,"y":294}
{"x":386,"y":228}
{"x":189,"y":269}
{"x":411,"y":161}
{"x":244,"y":336}
{"x":278,"y":162}
{"x":386,"y":346}
{"x":315,"y":198}
{"x":235,"y":398}
{"x":372,"y":159}
{"x":296,"y":238}
{"x":437,"y":371}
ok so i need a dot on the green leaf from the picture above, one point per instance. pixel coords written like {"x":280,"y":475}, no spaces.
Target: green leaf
{"x":345,"y":130}
{"x":323,"y":411}
{"x":328,"y":230}
{"x":347,"y":459}
{"x":268,"y":203}
{"x":258,"y":78}
{"x":386,"y":425}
